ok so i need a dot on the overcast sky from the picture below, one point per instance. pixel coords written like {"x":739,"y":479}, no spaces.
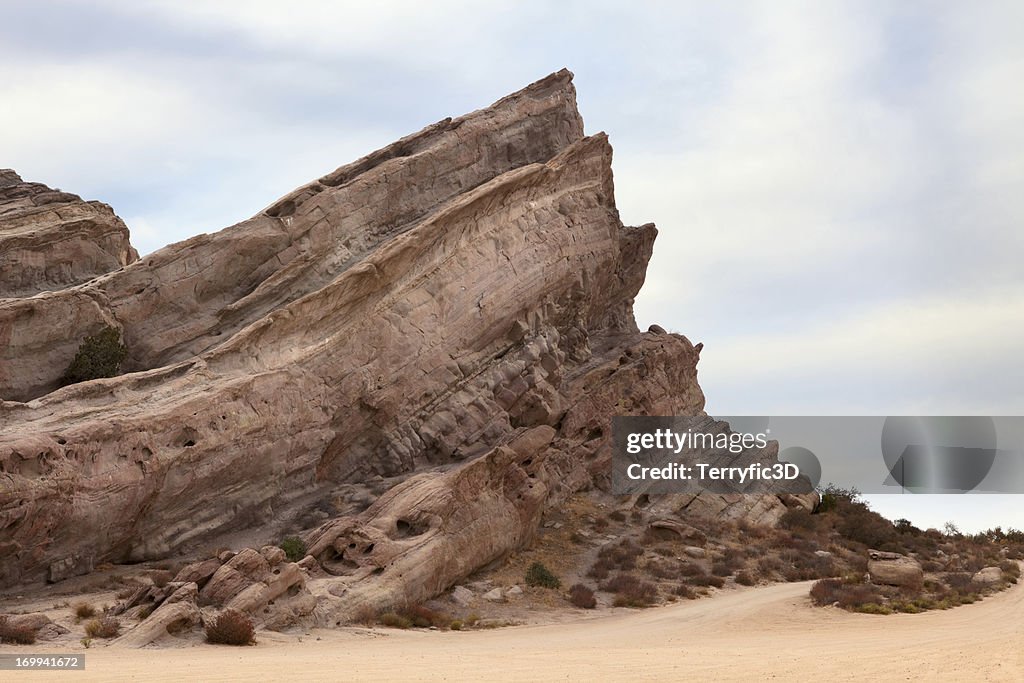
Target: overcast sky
{"x":839,"y":186}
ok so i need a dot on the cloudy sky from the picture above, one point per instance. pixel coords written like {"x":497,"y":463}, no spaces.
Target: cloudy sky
{"x":838,"y":185}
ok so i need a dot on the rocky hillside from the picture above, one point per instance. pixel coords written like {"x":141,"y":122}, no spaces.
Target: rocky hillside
{"x":408,"y":361}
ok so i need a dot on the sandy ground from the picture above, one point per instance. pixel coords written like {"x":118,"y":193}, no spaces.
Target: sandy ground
{"x":752,"y":634}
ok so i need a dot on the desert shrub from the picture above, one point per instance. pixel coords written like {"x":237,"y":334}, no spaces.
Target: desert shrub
{"x":684,"y":591}
{"x":160,"y":577}
{"x":691,"y":569}
{"x":294,"y":548}
{"x":421,"y":616}
{"x":826,"y":591}
{"x":872,"y":608}
{"x":539,"y":575}
{"x":720,"y":569}
{"x":600,"y":569}
{"x":931,"y":566}
{"x":84,"y":610}
{"x":456,"y":625}
{"x":797,"y":519}
{"x":365,"y":616}
{"x":704,"y":581}
{"x":751,"y":531}
{"x":860,"y":524}
{"x":100,"y":355}
{"x":833,"y":496}
{"x":392,"y":620}
{"x":959,"y":580}
{"x":622,"y":555}
{"x":630,"y":591}
{"x":768,"y":565}
{"x":582,"y":596}
{"x":1010,"y":569}
{"x":617,"y":516}
{"x":745,"y":579}
{"x":660,"y":570}
{"x":231,"y":627}
{"x":16,"y":635}
{"x":104,"y":627}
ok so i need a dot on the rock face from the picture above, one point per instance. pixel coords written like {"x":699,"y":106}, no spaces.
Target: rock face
{"x":443,"y":329}
{"x":51,"y":239}
{"x":894,"y":569}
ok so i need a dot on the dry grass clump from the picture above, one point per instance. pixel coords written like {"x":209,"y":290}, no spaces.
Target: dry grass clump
{"x":12,"y":634}
{"x":84,"y":610}
{"x":231,"y":627}
{"x":104,"y":627}
{"x":160,"y":577}
{"x":394,"y":620}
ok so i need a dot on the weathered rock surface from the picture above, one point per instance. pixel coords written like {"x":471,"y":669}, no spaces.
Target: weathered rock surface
{"x":989,"y":576}
{"x":444,"y":328}
{"x":894,"y":569}
{"x":51,"y":239}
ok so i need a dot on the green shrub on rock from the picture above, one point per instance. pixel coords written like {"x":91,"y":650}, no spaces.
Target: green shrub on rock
{"x":100,"y":355}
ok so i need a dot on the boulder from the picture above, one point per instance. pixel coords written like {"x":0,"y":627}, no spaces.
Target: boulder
{"x":462,"y":596}
{"x":198,"y":572}
{"x":273,"y":555}
{"x":989,"y":576}
{"x":894,"y":569}
{"x":495,"y":595}
{"x":695,"y":552}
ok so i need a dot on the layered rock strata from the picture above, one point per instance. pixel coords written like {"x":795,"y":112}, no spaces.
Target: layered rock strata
{"x":447,"y":321}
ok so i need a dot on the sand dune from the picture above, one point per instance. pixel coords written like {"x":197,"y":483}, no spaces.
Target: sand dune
{"x":752,"y":634}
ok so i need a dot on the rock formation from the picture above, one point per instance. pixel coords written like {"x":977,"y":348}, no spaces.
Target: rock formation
{"x":894,"y":569}
{"x":51,"y":239}
{"x":433,"y":338}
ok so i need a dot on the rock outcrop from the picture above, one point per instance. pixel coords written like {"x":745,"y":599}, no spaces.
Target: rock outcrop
{"x":894,"y":569}
{"x":441,"y":330}
{"x":51,"y":239}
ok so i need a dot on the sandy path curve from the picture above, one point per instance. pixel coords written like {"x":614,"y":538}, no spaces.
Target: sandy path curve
{"x":769,"y":632}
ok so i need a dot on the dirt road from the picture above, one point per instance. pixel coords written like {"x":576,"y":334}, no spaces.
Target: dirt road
{"x":752,"y":634}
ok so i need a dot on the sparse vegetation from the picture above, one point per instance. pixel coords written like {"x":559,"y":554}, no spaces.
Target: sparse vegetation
{"x":13,"y":634}
{"x":294,"y":548}
{"x":393,"y":620}
{"x":160,"y":577}
{"x":231,"y":627}
{"x":631,"y":591}
{"x":582,"y":596}
{"x":104,"y":627}
{"x":100,"y":355}
{"x":539,"y":575}
{"x":84,"y":610}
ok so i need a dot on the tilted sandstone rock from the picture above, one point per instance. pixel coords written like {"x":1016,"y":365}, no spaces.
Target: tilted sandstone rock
{"x":51,"y":239}
{"x":447,"y":322}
